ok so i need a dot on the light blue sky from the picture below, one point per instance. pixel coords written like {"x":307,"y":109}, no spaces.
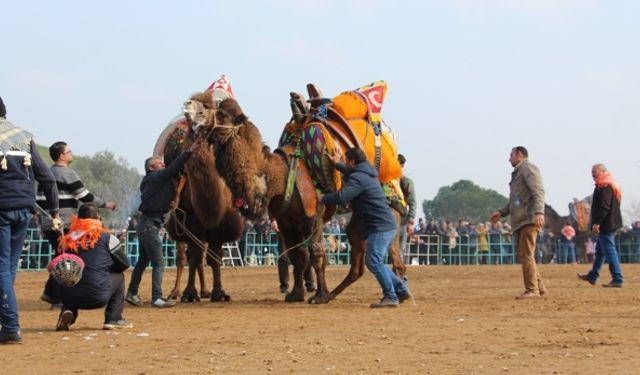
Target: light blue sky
{"x":467,"y":79}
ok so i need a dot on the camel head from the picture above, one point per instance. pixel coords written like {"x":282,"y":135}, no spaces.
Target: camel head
{"x":199,"y":111}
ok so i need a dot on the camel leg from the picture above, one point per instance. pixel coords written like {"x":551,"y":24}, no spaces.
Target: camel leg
{"x":399,"y":268}
{"x":204,"y":290}
{"x":217,"y":293}
{"x":358,"y":246}
{"x":299,"y":257}
{"x":181,"y":260}
{"x":319,"y":262}
{"x":194,"y":258}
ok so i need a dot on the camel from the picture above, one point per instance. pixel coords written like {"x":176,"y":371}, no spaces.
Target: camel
{"x":258,"y":180}
{"x":204,"y":218}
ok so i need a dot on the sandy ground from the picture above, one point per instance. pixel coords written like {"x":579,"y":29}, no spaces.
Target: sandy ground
{"x":465,"y":321}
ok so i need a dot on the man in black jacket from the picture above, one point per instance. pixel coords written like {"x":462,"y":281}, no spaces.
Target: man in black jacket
{"x":157,"y":191}
{"x":20,"y":166}
{"x":605,"y":219}
{"x":362,"y":188}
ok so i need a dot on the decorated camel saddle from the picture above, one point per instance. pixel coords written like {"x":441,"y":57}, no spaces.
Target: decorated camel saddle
{"x":329,"y":126}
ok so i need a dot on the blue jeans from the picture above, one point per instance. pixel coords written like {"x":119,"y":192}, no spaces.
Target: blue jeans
{"x":606,"y":249}
{"x":13,"y":229}
{"x":377,"y":249}
{"x":150,"y":250}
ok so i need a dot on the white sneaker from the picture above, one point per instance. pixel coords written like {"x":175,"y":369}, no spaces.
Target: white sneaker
{"x":162,"y":303}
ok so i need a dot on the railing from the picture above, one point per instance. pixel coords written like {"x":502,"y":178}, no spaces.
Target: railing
{"x":263,"y":249}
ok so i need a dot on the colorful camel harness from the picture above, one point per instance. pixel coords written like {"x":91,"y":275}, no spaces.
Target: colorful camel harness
{"x":325,"y":131}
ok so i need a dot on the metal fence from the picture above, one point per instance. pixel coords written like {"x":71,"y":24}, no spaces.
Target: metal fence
{"x":263,"y":249}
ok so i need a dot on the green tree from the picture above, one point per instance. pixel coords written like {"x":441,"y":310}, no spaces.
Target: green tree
{"x":463,"y":200}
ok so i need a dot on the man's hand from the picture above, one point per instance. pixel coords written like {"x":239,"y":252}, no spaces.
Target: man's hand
{"x":539,"y":220}
{"x":197,"y":143}
{"x":410,"y":227}
{"x":57,"y":225}
{"x":110,"y":205}
{"x":495,"y":216}
{"x":335,"y":156}
{"x":595,"y":229}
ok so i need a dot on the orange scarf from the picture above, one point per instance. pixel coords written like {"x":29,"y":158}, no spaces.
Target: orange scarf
{"x":606,"y":179}
{"x":83,"y":234}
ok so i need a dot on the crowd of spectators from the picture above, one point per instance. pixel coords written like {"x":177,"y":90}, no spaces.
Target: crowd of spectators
{"x":433,"y":242}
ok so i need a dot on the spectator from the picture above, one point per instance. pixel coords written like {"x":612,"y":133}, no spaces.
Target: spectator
{"x":567,"y":246}
{"x":605,"y":220}
{"x":635,"y":232}
{"x":483,"y":243}
{"x":71,"y":190}
{"x":100,"y":285}
{"x":20,"y":167}
{"x":526,"y":207}
{"x":589,"y":249}
{"x":407,"y":222}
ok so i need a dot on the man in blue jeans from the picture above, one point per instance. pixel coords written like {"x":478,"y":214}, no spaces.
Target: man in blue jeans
{"x":369,"y":204}
{"x":20,"y":166}
{"x":157,"y":191}
{"x":605,"y":220}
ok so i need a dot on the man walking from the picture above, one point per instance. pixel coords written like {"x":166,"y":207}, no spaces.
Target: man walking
{"x":526,"y":207}
{"x":362,"y":188}
{"x":20,"y":166}
{"x":605,"y":220}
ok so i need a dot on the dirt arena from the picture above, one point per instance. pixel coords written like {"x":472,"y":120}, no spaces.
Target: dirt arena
{"x":465,"y":321}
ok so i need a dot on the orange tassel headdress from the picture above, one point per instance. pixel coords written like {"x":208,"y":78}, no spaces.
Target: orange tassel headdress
{"x":606,"y":179}
{"x":83,"y":234}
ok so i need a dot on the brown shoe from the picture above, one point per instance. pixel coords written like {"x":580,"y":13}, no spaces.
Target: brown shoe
{"x":543,"y":292}
{"x":612,"y":284}
{"x":585,"y":277}
{"x":528,"y":295}
{"x":65,"y":320}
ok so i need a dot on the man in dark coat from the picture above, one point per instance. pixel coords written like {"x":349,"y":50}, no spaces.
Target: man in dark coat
{"x":362,"y":188}
{"x":605,"y":220}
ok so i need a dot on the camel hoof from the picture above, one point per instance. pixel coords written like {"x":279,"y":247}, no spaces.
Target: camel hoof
{"x":190,"y":295}
{"x":205,"y":294}
{"x":174,"y":295}
{"x":291,"y":297}
{"x":319,"y":298}
{"x":220,"y":296}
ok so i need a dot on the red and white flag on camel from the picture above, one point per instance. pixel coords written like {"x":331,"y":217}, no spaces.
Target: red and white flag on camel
{"x":221,"y":89}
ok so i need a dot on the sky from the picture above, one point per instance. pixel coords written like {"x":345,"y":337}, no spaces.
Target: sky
{"x":468,"y":80}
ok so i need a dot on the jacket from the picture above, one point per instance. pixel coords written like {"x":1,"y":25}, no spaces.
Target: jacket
{"x":20,"y":167}
{"x":368,"y":202}
{"x":158,"y":189}
{"x":605,"y":210}
{"x":526,"y":197}
{"x":94,"y":289}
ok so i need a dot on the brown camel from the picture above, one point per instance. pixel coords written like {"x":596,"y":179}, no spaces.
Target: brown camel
{"x":205,"y":218}
{"x":258,"y":179}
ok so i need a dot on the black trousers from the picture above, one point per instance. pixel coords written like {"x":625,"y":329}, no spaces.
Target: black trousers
{"x":114,"y":304}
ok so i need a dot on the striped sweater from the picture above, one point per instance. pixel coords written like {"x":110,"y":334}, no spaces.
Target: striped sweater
{"x":71,"y":190}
